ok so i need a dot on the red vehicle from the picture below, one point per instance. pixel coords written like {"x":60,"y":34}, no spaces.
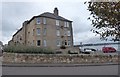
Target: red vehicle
{"x":108,"y":49}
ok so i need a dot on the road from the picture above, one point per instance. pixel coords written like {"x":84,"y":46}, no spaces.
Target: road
{"x":81,"y":70}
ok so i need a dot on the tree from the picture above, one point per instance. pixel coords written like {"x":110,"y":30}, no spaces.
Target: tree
{"x":105,"y":18}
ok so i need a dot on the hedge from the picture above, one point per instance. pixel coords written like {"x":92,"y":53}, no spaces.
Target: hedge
{"x":28,"y":49}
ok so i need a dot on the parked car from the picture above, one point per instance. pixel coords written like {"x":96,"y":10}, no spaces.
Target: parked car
{"x":88,"y":50}
{"x":72,"y":52}
{"x":108,"y":49}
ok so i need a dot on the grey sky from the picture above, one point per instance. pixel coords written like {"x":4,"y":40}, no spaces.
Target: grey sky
{"x":15,"y":13}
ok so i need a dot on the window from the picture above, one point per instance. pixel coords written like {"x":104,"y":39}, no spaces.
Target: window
{"x":33,"y":43}
{"x":65,"y":32}
{"x":69,"y":43}
{"x":44,"y":20}
{"x":68,"y":33}
{"x":44,"y":31}
{"x":38,"y":42}
{"x":57,"y":22}
{"x":58,"y":33}
{"x":44,"y":42}
{"x":65,"y":42}
{"x":58,"y":43}
{"x":38,"y":31}
{"x":33,"y":31}
{"x":66,"y":24}
{"x":38,"y":20}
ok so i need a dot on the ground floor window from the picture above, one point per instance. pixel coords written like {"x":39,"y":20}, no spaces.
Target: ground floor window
{"x":44,"y":42}
{"x":58,"y":43}
{"x":38,"y":42}
{"x":69,"y":43}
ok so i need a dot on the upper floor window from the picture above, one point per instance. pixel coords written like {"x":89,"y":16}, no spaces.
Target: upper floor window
{"x":38,"y":42}
{"x":33,"y":31}
{"x":58,"y":33}
{"x":68,"y":33}
{"x":57,"y":22}
{"x":38,"y":31}
{"x":66,"y":24}
{"x":37,"y":20}
{"x":44,"y":20}
{"x":44,"y":31}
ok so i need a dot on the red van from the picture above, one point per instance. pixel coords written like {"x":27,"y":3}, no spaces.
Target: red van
{"x":108,"y":49}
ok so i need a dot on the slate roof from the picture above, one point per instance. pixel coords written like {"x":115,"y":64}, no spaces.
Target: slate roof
{"x":50,"y":15}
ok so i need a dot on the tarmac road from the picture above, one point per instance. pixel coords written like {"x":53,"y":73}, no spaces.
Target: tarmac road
{"x":81,"y":70}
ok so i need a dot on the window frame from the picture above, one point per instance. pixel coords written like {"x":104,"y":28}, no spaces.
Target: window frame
{"x":57,"y":23}
{"x":38,"y":42}
{"x":44,"y":43}
{"x":58,"y":42}
{"x":58,"y":32}
{"x":38,"y":20}
{"x":44,"y":21}
{"x":38,"y":31}
{"x":68,"y":33}
{"x":44,"y":31}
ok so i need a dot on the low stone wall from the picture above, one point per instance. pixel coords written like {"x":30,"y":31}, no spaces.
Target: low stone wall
{"x":42,"y":58}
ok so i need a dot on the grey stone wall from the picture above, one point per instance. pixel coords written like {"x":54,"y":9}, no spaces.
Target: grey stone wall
{"x":42,"y":58}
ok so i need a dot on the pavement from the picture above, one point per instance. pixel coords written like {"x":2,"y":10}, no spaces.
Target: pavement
{"x":56,"y":65}
{"x":81,"y":70}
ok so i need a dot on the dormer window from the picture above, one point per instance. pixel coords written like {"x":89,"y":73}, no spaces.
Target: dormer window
{"x":37,"y":20}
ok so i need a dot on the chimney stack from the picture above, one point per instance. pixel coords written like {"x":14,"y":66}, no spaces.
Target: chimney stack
{"x":56,"y":11}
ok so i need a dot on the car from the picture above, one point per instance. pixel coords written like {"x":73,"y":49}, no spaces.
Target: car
{"x":108,"y":49}
{"x":88,"y":50}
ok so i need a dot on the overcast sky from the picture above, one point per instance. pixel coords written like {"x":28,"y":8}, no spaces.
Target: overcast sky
{"x":14,"y":13}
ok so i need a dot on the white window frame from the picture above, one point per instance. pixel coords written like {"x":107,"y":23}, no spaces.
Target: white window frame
{"x":68,"y":33}
{"x":57,"y":22}
{"x":44,"y":43}
{"x":58,"y":32}
{"x":58,"y":43}
{"x":38,"y":31}
{"x":67,"y":24}
{"x":44,"y":20}
{"x":38,"y":20}
{"x":44,"y":31}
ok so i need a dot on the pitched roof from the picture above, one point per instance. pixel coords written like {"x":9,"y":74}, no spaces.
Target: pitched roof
{"x":17,"y":31}
{"x":52,"y":15}
{"x":49,"y":15}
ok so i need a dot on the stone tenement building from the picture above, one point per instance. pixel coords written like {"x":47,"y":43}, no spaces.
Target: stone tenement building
{"x":45,"y":30}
